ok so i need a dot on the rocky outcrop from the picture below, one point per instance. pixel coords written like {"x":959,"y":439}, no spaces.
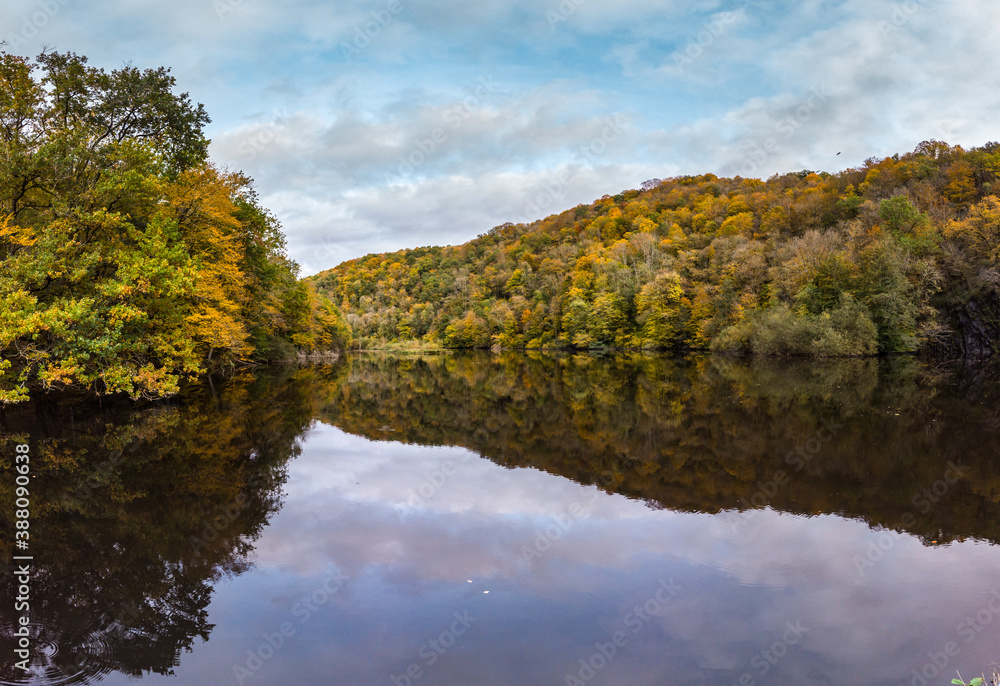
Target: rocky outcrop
{"x":975,"y":329}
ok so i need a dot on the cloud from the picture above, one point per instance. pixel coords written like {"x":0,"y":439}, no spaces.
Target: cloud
{"x":432,"y":169}
{"x":389,"y":144}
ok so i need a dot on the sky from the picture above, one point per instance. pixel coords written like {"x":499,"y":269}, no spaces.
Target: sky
{"x":376,"y":125}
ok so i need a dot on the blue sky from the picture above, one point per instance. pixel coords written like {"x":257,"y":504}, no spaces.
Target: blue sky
{"x":374,"y":125}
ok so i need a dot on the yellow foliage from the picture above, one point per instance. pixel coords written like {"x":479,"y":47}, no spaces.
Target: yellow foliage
{"x":961,"y":188}
{"x":981,"y":229}
{"x":738,"y":225}
{"x":645,"y":225}
{"x":14,"y":235}
{"x":201,"y":201}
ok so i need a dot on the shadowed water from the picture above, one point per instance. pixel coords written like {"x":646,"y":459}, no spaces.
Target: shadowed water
{"x":518,"y":519}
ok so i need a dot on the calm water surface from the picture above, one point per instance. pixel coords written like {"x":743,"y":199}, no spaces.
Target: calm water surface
{"x":481,"y":519}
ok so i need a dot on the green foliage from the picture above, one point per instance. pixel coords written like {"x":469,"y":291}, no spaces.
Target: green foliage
{"x":850,"y":204}
{"x":845,"y":331}
{"x":661,"y":314}
{"x":900,"y":216}
{"x":127,"y":260}
{"x":994,"y":679}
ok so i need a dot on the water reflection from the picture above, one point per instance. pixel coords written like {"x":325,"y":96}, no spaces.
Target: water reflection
{"x":861,"y":438}
{"x":390,"y":552}
{"x":136,"y":514}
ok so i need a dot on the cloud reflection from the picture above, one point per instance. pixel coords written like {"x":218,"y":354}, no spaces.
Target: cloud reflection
{"x":409,"y":572}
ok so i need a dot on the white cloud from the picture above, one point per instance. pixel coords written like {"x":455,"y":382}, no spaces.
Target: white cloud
{"x":328,"y":139}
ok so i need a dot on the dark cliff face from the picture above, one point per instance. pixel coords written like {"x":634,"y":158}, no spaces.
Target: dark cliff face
{"x":975,"y":329}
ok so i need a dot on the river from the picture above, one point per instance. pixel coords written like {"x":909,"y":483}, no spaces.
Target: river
{"x":516,"y":519}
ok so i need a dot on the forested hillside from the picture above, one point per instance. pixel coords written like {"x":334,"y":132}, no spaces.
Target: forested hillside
{"x":893,"y":256}
{"x":128,"y":260}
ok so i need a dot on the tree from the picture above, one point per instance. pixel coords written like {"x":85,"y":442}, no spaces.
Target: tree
{"x":900,"y":216}
{"x":961,"y":187}
{"x":659,"y":312}
{"x":980,"y":230}
{"x":127,"y":259}
{"x":92,"y":299}
{"x":737,"y":224}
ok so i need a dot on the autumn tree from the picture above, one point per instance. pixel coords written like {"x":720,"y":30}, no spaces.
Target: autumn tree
{"x":127,"y":259}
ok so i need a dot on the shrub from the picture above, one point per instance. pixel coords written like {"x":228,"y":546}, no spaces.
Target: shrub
{"x":846,"y":331}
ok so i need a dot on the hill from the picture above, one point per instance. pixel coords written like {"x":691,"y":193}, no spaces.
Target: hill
{"x":897,"y":255}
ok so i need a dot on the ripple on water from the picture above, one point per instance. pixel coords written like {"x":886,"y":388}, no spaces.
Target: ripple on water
{"x":61,"y":658}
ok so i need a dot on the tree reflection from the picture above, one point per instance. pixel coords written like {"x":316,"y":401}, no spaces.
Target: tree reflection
{"x":137,"y":512}
{"x":710,"y":434}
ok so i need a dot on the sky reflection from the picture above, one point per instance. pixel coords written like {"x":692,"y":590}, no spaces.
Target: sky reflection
{"x":787,"y":584}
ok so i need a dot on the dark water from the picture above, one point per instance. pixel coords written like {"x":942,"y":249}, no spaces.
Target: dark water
{"x":479,"y":519}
